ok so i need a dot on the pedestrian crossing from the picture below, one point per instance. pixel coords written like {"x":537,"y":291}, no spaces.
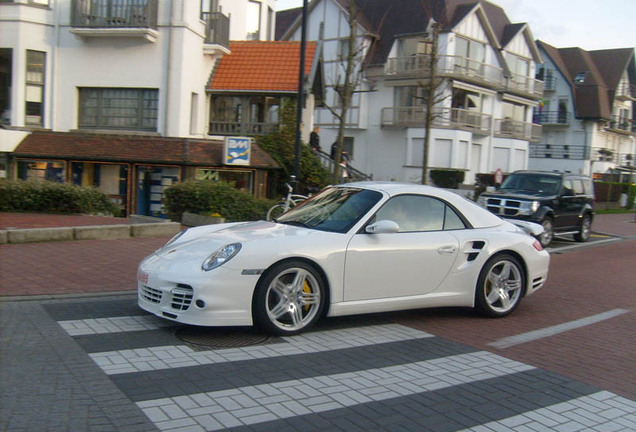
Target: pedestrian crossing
{"x":365,"y":376}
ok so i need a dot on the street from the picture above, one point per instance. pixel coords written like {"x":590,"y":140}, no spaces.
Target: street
{"x":565,"y":360}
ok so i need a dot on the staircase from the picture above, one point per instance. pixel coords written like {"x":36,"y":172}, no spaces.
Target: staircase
{"x":352,"y":173}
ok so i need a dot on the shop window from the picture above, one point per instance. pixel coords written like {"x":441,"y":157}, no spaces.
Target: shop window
{"x":35,"y":88}
{"x":41,"y":170}
{"x":118,"y":108}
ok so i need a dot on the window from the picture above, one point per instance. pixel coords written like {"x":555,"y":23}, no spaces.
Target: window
{"x":35,"y":88}
{"x":410,"y":96}
{"x":470,"y":49}
{"x":6,"y":65}
{"x":118,"y":108}
{"x":253,"y":22}
{"x":580,"y":78}
{"x":419,"y":213}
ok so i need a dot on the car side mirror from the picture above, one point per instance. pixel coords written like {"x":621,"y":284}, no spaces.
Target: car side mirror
{"x":383,"y":227}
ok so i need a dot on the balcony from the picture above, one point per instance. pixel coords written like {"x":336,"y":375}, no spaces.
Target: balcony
{"x":457,"y":67}
{"x":237,"y":128}
{"x":447,"y":118}
{"x":549,"y":84}
{"x":115,"y":18}
{"x":217,"y":31}
{"x":525,"y":86}
{"x":552,"y":118}
{"x":626,"y":91}
{"x":508,"y":128}
{"x":621,"y":125}
{"x":558,"y":151}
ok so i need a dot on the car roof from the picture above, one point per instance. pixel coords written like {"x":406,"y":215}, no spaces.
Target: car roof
{"x":476,"y":215}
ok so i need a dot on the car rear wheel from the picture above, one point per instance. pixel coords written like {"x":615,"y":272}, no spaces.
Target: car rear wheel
{"x":586,"y":229}
{"x":500,"y":286}
{"x":289,"y":298}
{"x":548,"y":232}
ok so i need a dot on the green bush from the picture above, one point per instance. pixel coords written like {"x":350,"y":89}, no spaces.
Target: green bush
{"x":208,"y":198}
{"x":447,"y":178}
{"x":52,"y":197}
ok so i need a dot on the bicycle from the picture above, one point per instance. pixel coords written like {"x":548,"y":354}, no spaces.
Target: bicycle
{"x":290,"y":201}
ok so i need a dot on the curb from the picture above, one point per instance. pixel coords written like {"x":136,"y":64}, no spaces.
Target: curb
{"x":41,"y":297}
{"x":94,"y":232}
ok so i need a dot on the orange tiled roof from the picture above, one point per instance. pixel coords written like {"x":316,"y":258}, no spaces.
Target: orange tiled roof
{"x":262,"y":66}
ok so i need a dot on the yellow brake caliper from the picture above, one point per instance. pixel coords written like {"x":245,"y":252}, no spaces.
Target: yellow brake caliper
{"x":306,"y":289}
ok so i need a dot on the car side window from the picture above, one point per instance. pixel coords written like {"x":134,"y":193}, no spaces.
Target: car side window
{"x":578,"y":187}
{"x":415,"y":213}
{"x":568,"y":188}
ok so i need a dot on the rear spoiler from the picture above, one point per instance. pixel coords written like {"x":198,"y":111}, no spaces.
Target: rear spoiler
{"x":529,"y":227}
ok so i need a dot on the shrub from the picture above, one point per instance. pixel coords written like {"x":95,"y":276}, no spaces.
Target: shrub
{"x":208,"y":198}
{"x":52,"y":197}
{"x":449,"y":179}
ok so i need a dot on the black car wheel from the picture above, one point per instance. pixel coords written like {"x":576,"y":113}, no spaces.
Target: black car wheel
{"x":548,"y":232}
{"x":585,"y":230}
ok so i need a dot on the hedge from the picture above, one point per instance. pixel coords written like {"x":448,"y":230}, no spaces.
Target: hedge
{"x":213,"y":198}
{"x":52,"y":197}
{"x":449,"y":179}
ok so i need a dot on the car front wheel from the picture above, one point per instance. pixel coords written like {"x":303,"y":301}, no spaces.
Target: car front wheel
{"x":500,"y":286}
{"x":586,"y":229}
{"x":548,"y":232}
{"x":289,"y":298}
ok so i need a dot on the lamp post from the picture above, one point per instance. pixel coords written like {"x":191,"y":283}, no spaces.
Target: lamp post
{"x":300,"y":98}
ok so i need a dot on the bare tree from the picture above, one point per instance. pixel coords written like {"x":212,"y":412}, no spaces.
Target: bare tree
{"x":432,"y":91}
{"x":345,"y":85}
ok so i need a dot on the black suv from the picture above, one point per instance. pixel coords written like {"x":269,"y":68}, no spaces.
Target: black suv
{"x":562,"y":202}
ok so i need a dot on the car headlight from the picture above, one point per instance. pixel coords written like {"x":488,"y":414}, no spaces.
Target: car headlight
{"x":221,"y":256}
{"x":529,"y":207}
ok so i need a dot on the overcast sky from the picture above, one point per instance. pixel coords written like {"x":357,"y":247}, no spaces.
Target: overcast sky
{"x":588,"y":24}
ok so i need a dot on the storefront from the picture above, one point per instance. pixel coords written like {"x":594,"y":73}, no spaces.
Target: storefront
{"x":134,"y":172}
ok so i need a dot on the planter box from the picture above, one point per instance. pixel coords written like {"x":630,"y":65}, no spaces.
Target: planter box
{"x":192,"y":219}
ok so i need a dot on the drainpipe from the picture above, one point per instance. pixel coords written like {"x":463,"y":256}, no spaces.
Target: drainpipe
{"x":54,"y":63}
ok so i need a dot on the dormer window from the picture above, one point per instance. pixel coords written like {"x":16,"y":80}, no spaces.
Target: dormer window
{"x":580,"y":78}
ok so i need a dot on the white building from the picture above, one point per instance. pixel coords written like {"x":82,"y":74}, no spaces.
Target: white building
{"x":483,"y":118}
{"x":587,"y":111}
{"x":114,"y":93}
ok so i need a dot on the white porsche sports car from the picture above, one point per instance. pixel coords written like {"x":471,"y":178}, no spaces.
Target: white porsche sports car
{"x":351,"y":249}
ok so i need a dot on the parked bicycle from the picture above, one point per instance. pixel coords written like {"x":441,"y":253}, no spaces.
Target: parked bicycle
{"x":290,"y":201}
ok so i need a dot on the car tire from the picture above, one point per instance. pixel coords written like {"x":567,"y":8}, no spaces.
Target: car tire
{"x":585,"y":230}
{"x":548,"y":232}
{"x":289,"y":298}
{"x":500,"y":286}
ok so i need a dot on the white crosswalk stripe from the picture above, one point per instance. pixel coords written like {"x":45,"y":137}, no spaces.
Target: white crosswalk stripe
{"x":113,"y":325}
{"x":267,"y":402}
{"x":165,"y":357}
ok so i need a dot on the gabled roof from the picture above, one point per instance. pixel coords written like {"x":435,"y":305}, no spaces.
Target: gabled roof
{"x":263,"y":66}
{"x":388,"y":19}
{"x":284,"y":20}
{"x":602,"y":69}
{"x":123,"y":148}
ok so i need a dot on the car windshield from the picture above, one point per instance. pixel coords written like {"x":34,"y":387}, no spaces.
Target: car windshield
{"x":333,"y":209}
{"x":532,"y":184}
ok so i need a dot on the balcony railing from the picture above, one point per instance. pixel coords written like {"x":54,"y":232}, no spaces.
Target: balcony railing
{"x":552,"y":118}
{"x":621,"y":124}
{"x":217,"y":28}
{"x":449,"y":118}
{"x":507,"y":128}
{"x":114,"y":14}
{"x":549,"y":84}
{"x":626,"y":91}
{"x":525,"y":85}
{"x":447,"y":66}
{"x":235,"y":128}
{"x":558,"y":151}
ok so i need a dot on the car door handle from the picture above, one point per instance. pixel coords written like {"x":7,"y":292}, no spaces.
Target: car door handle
{"x":449,"y":249}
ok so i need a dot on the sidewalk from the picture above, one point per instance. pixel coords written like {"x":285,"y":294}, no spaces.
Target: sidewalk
{"x":97,"y":266}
